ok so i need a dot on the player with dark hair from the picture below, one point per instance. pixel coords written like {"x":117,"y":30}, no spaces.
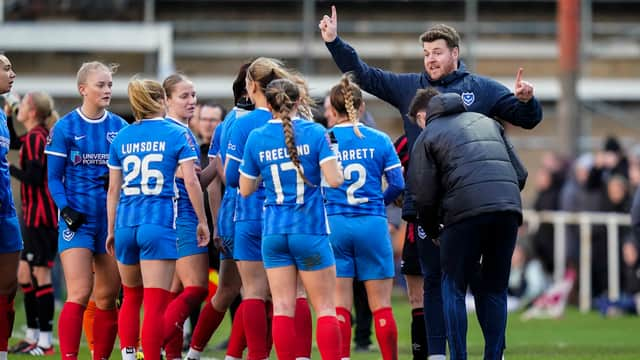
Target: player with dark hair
{"x":77,"y":172}
{"x":357,"y":217}
{"x":229,"y":282}
{"x":290,"y":154}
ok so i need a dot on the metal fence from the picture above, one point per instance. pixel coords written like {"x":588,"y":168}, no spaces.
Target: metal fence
{"x":585,"y":221}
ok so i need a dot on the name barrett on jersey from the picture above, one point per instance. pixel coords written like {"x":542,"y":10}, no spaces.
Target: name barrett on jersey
{"x":356,"y":154}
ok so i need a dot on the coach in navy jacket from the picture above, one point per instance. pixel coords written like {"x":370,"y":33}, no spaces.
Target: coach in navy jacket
{"x":464,"y":173}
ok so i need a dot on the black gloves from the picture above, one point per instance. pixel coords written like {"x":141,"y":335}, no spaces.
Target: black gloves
{"x":105,"y":181}
{"x":74,"y":219}
{"x":409,"y":211}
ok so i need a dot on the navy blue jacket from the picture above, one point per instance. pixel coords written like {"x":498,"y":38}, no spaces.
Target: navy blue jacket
{"x":480,"y":94}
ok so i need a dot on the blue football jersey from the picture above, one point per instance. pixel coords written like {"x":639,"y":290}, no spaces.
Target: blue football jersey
{"x":214,"y":146}
{"x":7,"y":207}
{"x":228,"y":203}
{"x":148,"y":153}
{"x":364,"y":161}
{"x":84,"y":143}
{"x":185,"y":208}
{"x":291,"y":206}
{"x":249,"y":208}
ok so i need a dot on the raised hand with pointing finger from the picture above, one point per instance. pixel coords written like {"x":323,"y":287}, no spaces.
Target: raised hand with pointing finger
{"x":523,"y":89}
{"x":329,"y":26}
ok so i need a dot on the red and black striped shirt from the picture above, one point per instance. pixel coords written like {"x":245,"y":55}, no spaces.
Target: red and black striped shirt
{"x":38,"y":208}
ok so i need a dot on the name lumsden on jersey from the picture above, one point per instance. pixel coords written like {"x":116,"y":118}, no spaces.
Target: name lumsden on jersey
{"x":282,"y":153}
{"x":143,"y":146}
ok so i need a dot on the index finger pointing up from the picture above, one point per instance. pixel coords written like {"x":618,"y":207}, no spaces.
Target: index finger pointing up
{"x":334,"y":13}
{"x":519,"y":76}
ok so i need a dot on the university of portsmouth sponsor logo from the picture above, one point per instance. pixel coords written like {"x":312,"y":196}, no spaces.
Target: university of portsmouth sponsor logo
{"x":76,"y":157}
{"x":5,"y":142}
{"x":67,"y":234}
{"x":111,"y":135}
{"x":421,"y":234}
{"x":468,"y":98}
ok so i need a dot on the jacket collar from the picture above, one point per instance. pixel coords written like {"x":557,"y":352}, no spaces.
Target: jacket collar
{"x":449,"y":78}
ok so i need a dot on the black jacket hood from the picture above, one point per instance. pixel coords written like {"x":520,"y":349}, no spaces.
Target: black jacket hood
{"x":445,"y":104}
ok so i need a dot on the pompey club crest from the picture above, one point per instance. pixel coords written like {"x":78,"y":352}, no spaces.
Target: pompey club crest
{"x":67,"y":234}
{"x":468,"y":98}
{"x":111,"y":135}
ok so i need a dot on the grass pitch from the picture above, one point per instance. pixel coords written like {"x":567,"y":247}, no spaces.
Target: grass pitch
{"x":576,"y":336}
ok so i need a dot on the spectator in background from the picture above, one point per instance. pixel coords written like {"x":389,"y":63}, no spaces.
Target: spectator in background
{"x":629,"y":300}
{"x":549,"y":181}
{"x":527,"y":279}
{"x":610,"y":161}
{"x":209,"y":117}
{"x":575,"y":196}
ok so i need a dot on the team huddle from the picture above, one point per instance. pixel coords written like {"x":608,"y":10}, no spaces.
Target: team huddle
{"x":302,"y":213}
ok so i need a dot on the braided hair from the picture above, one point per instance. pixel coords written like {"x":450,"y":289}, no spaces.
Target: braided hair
{"x":282,"y":95}
{"x":346,"y":99}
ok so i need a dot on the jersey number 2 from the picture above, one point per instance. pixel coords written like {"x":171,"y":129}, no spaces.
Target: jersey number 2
{"x":351,"y":189}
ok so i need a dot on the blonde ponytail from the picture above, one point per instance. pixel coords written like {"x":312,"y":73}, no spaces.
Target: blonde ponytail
{"x":346,"y":99}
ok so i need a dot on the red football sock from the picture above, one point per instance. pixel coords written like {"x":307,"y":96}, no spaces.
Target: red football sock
{"x":180,"y":308}
{"x":284,"y":337}
{"x":386,"y":333}
{"x":255,"y":328}
{"x":155,"y":303}
{"x":237,"y":340}
{"x":70,"y":329}
{"x":303,"y":328}
{"x":328,"y":337}
{"x":105,"y":328}
{"x":208,"y":322}
{"x":344,"y":320}
{"x":129,"y":316}
{"x":172,"y":330}
{"x":7,"y":316}
{"x":269,"y":326}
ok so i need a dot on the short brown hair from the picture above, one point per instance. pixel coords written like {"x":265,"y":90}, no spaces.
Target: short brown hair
{"x":444,"y":32}
{"x":420,"y":102}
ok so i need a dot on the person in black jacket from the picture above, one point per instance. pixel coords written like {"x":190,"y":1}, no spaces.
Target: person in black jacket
{"x":466,"y":180}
